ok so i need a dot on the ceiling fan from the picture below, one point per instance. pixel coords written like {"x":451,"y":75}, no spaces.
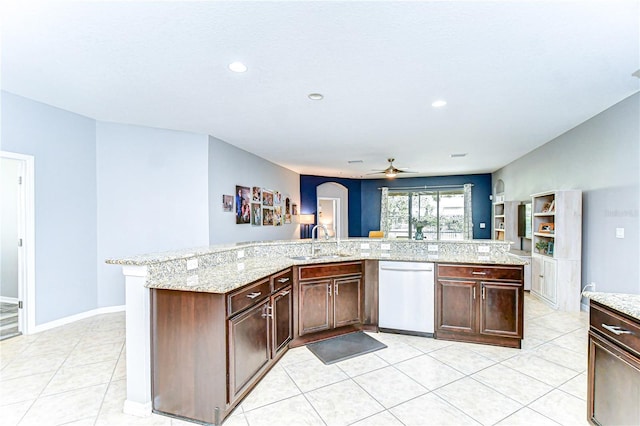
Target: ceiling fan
{"x":391,"y":171}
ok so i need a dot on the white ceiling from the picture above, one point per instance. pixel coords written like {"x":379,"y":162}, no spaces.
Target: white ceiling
{"x":515,"y":74}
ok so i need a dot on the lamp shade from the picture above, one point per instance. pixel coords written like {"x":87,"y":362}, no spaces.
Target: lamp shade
{"x":307,"y":219}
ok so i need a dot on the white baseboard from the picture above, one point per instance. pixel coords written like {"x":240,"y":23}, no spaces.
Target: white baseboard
{"x":136,"y":408}
{"x":12,"y":300}
{"x":77,"y":317}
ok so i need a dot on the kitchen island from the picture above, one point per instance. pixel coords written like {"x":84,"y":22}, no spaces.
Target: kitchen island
{"x":193,"y":315}
{"x":613,"y":374}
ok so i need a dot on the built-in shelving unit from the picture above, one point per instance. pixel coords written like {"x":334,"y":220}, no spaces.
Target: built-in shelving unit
{"x":505,"y":221}
{"x":557,"y":248}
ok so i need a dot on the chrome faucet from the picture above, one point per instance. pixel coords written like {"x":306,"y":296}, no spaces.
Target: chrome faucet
{"x":326,"y":236}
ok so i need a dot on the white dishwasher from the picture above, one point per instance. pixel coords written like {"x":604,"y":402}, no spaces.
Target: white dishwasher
{"x":406,"y":297}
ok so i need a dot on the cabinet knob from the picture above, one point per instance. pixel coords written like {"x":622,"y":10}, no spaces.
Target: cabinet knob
{"x":254,"y":294}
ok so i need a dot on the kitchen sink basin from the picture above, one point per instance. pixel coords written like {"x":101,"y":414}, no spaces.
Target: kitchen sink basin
{"x":302,"y":257}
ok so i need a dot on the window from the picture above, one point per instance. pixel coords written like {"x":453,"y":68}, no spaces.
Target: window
{"x":440,"y":212}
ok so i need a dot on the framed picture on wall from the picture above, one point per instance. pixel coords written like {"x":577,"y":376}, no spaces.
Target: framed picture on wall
{"x":294,"y":209}
{"x":256,"y":214}
{"x":277,"y":198}
{"x":267,"y":198}
{"x":227,"y":203}
{"x":256,"y":194}
{"x":267,"y":216}
{"x":243,"y":208}
{"x":277,"y":216}
{"x":287,"y":210}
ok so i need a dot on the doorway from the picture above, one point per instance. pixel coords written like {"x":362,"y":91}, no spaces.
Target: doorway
{"x":333,"y":208}
{"x":17,"y":313}
{"x":329,"y":215}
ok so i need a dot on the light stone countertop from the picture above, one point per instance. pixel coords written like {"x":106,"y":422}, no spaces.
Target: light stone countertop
{"x":151,"y":258}
{"x":628,"y":304}
{"x":230,"y":276}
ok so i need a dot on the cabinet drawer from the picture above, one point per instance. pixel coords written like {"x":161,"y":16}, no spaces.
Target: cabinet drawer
{"x":617,"y":328}
{"x":329,"y":270}
{"x":281,"y":280}
{"x":248,"y":296}
{"x":481,"y":272}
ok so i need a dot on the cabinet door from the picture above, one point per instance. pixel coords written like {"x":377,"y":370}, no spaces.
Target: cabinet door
{"x":537,"y":272}
{"x":549,"y":280}
{"x":346,"y":301}
{"x":314,"y":306}
{"x":457,"y":306}
{"x":282,"y":329}
{"x":249,"y":349}
{"x":500,"y":309}
{"x":613,"y":377}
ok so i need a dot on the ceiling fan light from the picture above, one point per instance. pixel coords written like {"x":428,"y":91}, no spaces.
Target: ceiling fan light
{"x":390,"y":173}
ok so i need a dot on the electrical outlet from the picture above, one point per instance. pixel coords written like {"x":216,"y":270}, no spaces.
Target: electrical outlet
{"x":192,"y":263}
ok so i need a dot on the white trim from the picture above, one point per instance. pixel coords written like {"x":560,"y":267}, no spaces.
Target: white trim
{"x":77,"y":317}
{"x":27,"y":253}
{"x":136,"y":408}
{"x":12,"y":300}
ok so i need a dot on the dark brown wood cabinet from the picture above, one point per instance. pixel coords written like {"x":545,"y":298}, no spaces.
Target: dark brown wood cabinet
{"x":209,"y":349}
{"x":282,"y":320}
{"x":249,"y":347}
{"x":480,"y":303}
{"x":613,"y":374}
{"x":329,"y":296}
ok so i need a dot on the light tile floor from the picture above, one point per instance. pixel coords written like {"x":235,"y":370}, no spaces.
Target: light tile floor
{"x":75,"y":375}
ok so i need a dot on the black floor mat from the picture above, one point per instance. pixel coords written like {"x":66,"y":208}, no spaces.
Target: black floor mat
{"x":344,"y":347}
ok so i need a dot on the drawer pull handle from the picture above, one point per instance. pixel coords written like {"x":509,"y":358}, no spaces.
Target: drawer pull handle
{"x":478,"y":273}
{"x":474,"y":293}
{"x":284,"y":293}
{"x":616,"y":330}
{"x":254,"y":294}
{"x":283,"y":280}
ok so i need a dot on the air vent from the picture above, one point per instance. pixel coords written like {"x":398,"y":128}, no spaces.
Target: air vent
{"x":458,"y":155}
{"x":355,"y":161}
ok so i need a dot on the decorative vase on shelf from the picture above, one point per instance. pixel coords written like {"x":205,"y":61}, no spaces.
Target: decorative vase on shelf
{"x":419,"y":235}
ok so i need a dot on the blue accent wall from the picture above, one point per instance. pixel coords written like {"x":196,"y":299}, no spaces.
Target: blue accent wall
{"x":364,"y":198}
{"x":309,"y":198}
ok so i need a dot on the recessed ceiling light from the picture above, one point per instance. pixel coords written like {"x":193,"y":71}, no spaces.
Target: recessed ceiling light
{"x":439,"y":103}
{"x":316,"y":96}
{"x":458,"y":155}
{"x":237,"y":67}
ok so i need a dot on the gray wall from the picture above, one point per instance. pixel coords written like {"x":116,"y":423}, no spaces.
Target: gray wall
{"x":230,"y":166}
{"x":152,"y":196}
{"x":602,"y":158}
{"x":63,"y":144}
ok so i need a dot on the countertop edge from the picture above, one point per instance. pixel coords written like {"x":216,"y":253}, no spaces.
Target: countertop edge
{"x":625,"y":303}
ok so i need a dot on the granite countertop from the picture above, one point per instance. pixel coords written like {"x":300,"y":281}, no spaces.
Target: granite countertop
{"x":628,"y":304}
{"x":145,"y":259}
{"x":230,"y":276}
